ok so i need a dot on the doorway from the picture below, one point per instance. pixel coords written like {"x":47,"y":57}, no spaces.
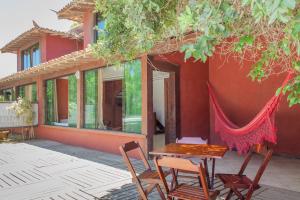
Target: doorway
{"x":165,"y":103}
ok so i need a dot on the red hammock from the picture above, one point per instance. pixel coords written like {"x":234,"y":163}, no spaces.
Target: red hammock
{"x":261,"y":128}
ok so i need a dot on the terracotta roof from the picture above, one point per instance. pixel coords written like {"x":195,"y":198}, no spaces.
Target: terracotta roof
{"x":32,"y":35}
{"x":85,"y":57}
{"x":75,"y":10}
{"x":74,"y":59}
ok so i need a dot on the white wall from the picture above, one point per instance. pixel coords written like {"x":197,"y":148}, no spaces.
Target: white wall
{"x":159,"y":95}
{"x":8,"y":118}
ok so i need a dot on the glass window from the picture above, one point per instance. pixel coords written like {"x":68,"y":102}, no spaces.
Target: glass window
{"x":90,"y":98}
{"x":132,"y":110}
{"x":113,"y":98}
{"x":31,"y":57}
{"x":72,"y":101}
{"x":36,"y":57}
{"x":49,"y":108}
{"x":61,"y":101}
{"x":28,"y":92}
{"x":99,"y":25}
{"x":8,"y":94}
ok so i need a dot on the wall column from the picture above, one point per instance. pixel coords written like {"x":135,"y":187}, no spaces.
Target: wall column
{"x":41,"y":100}
{"x":147,"y":104}
{"x":80,"y":101}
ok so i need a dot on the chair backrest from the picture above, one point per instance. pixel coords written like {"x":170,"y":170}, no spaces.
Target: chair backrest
{"x":181,"y":164}
{"x":262,"y":150}
{"x":191,"y":140}
{"x":133,"y":146}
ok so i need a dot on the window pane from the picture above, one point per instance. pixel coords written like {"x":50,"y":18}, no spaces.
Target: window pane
{"x":72,"y":101}
{"x":132,"y":97}
{"x":8,"y":94}
{"x":34,"y":93}
{"x":36,"y":57}
{"x":21,"y":91}
{"x":101,"y":25}
{"x":28,"y":92}
{"x":113,"y":98}
{"x":31,"y":57}
{"x":49,"y":101}
{"x":90,"y":98}
{"x":26,"y":60}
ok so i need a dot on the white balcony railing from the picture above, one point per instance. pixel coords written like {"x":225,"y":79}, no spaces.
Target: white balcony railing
{"x":8,"y":118}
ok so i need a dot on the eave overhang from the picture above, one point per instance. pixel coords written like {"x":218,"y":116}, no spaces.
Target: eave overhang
{"x":77,"y":58}
{"x":32,"y":35}
{"x":75,"y":10}
{"x":86,"y":57}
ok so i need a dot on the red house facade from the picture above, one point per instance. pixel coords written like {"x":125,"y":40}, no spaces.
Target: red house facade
{"x":84,"y":102}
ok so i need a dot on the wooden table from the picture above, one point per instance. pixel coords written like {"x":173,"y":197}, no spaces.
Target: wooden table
{"x":202,"y":151}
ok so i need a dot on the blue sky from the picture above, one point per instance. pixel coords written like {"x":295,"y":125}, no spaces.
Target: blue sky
{"x":16,"y":17}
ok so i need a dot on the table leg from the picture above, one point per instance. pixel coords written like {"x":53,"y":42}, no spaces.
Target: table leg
{"x":174,"y":182}
{"x":207,"y":173}
{"x":213,"y":173}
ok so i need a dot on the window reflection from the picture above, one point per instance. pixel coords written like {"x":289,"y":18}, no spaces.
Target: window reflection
{"x":113,"y":98}
{"x":31,"y":57}
{"x":28,"y":92}
{"x":61,"y":101}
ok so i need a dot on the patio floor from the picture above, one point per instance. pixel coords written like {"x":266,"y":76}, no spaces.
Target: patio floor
{"x":42,"y":169}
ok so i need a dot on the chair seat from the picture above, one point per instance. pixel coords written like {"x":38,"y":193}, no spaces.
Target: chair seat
{"x":188,"y":192}
{"x":236,"y":181}
{"x":151,"y":176}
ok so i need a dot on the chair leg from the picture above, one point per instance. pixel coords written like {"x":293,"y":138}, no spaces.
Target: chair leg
{"x":238,"y":194}
{"x":142,"y":194}
{"x":160,"y":192}
{"x":229,"y":194}
{"x":249,"y":193}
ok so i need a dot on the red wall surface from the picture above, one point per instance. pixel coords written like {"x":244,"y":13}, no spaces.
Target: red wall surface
{"x":106,"y":141}
{"x":242,"y":99}
{"x":57,"y":46}
{"x":88,"y":28}
{"x":194,"y":104}
{"x":62,"y":98}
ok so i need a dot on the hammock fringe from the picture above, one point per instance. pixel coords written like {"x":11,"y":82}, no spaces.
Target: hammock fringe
{"x":261,"y":128}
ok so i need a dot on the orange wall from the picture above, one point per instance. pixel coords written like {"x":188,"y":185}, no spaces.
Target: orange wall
{"x":99,"y":140}
{"x":242,"y":99}
{"x":194,"y":104}
{"x":88,"y":25}
{"x":62,"y":98}
{"x":57,"y":46}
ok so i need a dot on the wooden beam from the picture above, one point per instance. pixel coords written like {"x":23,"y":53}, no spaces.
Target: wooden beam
{"x":147,"y":103}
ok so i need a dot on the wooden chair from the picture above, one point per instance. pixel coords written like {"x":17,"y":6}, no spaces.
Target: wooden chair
{"x":185,"y":191}
{"x":149,"y":177}
{"x":238,"y":182}
{"x":199,"y":140}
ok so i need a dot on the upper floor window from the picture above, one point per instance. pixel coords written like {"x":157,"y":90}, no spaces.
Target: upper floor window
{"x":99,"y":25}
{"x":31,"y":57}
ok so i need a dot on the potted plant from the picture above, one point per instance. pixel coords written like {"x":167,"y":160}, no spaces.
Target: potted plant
{"x":23,"y":108}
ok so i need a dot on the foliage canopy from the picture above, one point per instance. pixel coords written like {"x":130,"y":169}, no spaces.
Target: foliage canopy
{"x":264,"y":32}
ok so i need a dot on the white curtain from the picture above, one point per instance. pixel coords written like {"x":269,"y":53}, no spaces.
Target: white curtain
{"x":100,"y":99}
{"x":55,"y":103}
{"x":28,"y":92}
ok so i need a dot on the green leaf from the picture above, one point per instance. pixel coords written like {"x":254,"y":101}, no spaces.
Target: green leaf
{"x":278,"y":91}
{"x":285,"y":46}
{"x":291,"y":4}
{"x":296,"y":66}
